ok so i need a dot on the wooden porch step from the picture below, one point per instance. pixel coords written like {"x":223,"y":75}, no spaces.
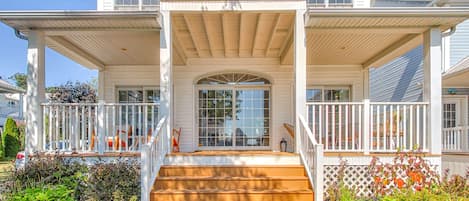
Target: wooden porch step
{"x":231,"y":183}
{"x":232,"y":195}
{"x":232,"y":171}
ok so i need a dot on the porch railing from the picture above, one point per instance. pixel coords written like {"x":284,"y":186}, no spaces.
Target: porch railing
{"x":455,"y":139}
{"x":330,"y":3}
{"x":311,"y":153}
{"x":152,"y":157}
{"x":369,"y":127}
{"x":92,"y":127}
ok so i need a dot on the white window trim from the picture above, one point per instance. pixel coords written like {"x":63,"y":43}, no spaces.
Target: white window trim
{"x":333,"y":87}
{"x":130,"y":88}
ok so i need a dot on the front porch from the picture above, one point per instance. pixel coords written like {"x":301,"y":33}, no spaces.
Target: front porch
{"x":231,"y":80}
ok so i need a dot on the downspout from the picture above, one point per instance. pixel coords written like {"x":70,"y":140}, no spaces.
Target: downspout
{"x":19,"y":35}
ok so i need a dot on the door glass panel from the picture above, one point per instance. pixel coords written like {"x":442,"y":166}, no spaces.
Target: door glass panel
{"x":252,"y":117}
{"x":215,"y":117}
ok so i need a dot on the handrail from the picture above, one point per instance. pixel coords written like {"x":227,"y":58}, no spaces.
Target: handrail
{"x":152,"y":157}
{"x":311,"y":154}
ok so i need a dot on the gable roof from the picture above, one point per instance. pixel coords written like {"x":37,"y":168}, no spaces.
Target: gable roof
{"x":457,"y":75}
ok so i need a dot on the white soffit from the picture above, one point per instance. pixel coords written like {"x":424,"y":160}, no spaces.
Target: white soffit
{"x":371,"y":37}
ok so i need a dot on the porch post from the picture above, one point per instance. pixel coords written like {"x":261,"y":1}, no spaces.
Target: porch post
{"x":166,"y":73}
{"x":299,"y":62}
{"x":432,"y":87}
{"x":35,"y":93}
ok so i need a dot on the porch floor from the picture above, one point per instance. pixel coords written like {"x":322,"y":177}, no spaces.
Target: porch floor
{"x":233,"y":153}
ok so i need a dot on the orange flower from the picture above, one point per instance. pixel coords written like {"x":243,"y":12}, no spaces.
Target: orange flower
{"x":415,"y":177}
{"x":377,"y":179}
{"x":399,"y":182}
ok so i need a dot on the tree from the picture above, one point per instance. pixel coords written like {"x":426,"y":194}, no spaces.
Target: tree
{"x":10,"y":140}
{"x":20,"y":80}
{"x":72,"y":93}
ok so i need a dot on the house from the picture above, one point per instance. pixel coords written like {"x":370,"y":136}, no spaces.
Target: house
{"x":230,"y":75}
{"x":11,"y":102}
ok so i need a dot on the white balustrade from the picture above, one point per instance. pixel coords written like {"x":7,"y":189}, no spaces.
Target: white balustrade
{"x":455,"y":139}
{"x":152,"y":157}
{"x":312,"y":154}
{"x":369,"y":127}
{"x":91,"y":127}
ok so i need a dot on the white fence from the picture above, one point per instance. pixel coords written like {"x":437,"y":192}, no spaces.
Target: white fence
{"x":152,"y":157}
{"x":311,"y":153}
{"x":455,"y":139}
{"x":91,"y":127}
{"x":369,"y":127}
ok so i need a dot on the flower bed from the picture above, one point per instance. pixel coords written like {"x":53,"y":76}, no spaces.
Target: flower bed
{"x":408,"y":177}
{"x":56,"y":178}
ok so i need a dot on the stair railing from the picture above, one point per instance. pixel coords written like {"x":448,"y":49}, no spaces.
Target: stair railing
{"x":152,"y":157}
{"x":312,"y":155}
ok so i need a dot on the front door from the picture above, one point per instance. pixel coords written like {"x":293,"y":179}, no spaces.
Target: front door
{"x":233,"y":116}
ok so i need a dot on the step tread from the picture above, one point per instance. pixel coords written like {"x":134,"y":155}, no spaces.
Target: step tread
{"x":234,"y":191}
{"x":232,"y":166}
{"x":179,"y":178}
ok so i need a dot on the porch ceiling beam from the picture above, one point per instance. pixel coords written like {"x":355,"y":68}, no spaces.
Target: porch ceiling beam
{"x":370,"y":30}
{"x":272,"y":35}
{"x":241,"y":17}
{"x":224,"y":29}
{"x":256,"y":33}
{"x":287,"y":43}
{"x":178,"y":48}
{"x":394,"y":50}
{"x":191,"y":32}
{"x":76,"y":53}
{"x":210,"y":42}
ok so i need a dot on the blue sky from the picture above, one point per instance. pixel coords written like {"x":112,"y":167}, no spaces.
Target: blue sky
{"x":59,"y":69}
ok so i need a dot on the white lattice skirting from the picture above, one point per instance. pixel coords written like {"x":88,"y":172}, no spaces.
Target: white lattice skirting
{"x":356,"y":177}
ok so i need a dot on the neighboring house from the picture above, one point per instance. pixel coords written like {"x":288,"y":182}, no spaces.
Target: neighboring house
{"x":11,"y":102}
{"x":230,"y":75}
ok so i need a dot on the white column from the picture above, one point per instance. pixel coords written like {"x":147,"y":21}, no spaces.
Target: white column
{"x":299,"y":62}
{"x":35,"y":94}
{"x":166,"y":71}
{"x":432,"y":86}
{"x":101,"y":87}
{"x":366,"y":83}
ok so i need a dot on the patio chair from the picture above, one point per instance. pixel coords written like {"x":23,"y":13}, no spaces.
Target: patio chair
{"x":175,"y":139}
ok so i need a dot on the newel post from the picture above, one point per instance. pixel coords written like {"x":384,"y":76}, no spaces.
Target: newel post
{"x":366,"y":126}
{"x":101,"y":127}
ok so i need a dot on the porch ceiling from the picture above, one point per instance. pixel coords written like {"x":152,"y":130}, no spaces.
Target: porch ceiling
{"x":232,"y":35}
{"x":370,"y":37}
{"x":95,"y":39}
{"x":457,"y":75}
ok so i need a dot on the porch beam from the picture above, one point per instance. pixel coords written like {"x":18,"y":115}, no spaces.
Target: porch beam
{"x":370,"y":30}
{"x":287,"y":44}
{"x":178,"y":48}
{"x":272,"y":34}
{"x":210,"y":42}
{"x":93,"y":31}
{"x":404,"y":44}
{"x":432,"y":57}
{"x":191,"y":33}
{"x":299,"y":63}
{"x":256,"y":33}
{"x":76,"y":53}
{"x":35,"y":93}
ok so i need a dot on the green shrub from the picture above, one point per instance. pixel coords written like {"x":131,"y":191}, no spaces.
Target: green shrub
{"x":10,"y":141}
{"x":2,"y":149}
{"x":113,"y":181}
{"x":44,"y":193}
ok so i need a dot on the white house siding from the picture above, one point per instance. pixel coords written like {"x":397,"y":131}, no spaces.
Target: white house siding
{"x":459,"y":43}
{"x":399,"y":80}
{"x":128,"y":76}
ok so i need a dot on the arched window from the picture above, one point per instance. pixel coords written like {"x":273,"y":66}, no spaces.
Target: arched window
{"x":233,"y":79}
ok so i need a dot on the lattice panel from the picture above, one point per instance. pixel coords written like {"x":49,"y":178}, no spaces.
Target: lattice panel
{"x":356,"y":177}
